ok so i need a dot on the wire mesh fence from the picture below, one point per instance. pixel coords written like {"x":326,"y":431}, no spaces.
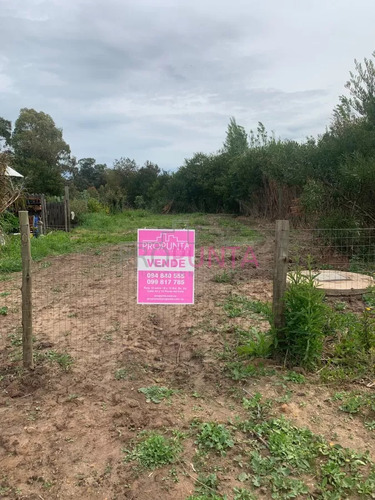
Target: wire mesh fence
{"x":85,"y":304}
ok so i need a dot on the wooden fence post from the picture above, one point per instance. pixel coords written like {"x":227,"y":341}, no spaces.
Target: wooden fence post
{"x":67,"y":209}
{"x":44,"y":212}
{"x":280,"y":271}
{"x":27,"y":308}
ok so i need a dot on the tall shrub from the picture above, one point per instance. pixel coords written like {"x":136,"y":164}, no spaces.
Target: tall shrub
{"x":301,"y":340}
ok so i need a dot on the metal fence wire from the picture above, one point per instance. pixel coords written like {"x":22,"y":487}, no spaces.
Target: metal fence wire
{"x":85,"y":304}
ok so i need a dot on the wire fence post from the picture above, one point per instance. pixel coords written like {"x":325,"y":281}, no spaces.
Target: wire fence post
{"x":280,"y":272}
{"x":27,"y":312}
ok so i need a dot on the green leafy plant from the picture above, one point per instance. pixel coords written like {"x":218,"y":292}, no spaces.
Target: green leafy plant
{"x":154,"y":450}
{"x":300,"y":341}
{"x":370,"y":425}
{"x":295,"y":377}
{"x":256,"y":407}
{"x":224,"y":277}
{"x":352,"y":404}
{"x":243,"y":494}
{"x":156,"y":394}
{"x":213,"y":436}
{"x":352,"y":352}
{"x":63,"y":359}
{"x":3,"y":311}
{"x":259,"y":346}
{"x":369,"y":296}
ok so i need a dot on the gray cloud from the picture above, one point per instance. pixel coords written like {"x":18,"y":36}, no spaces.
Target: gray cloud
{"x":159,"y":79}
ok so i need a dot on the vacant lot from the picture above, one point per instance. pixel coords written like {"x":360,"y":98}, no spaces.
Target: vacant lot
{"x":154,"y":402}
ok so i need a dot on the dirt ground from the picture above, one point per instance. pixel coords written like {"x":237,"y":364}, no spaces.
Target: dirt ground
{"x":64,"y":428}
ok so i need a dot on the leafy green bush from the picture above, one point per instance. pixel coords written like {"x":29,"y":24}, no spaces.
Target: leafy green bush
{"x":300,"y":341}
{"x":9,"y":222}
{"x":94,"y":206}
{"x":79,"y":207}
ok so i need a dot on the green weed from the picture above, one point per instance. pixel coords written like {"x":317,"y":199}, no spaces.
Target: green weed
{"x":369,"y":296}
{"x":156,"y":394}
{"x":300,"y":342}
{"x":206,"y":488}
{"x":294,"y":451}
{"x":224,"y":277}
{"x":121,"y":374}
{"x":259,"y":345}
{"x":216,"y":437}
{"x":370,"y":425}
{"x":238,"y":370}
{"x":257,"y":408}
{"x":352,"y":404}
{"x":295,"y":377}
{"x":3,"y":311}
{"x":243,"y":494}
{"x":340,"y":306}
{"x":237,"y":305}
{"x":63,"y":359}
{"x":154,"y":450}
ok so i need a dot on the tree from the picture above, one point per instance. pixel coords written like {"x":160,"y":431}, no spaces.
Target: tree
{"x":361,"y":100}
{"x":5,"y":131}
{"x":41,"y":154}
{"x":89,"y":174}
{"x":236,"y":142}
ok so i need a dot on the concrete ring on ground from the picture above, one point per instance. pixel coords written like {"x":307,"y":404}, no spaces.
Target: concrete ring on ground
{"x":341,"y":282}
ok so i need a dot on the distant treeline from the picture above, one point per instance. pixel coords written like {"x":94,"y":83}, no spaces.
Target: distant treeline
{"x":328,"y":180}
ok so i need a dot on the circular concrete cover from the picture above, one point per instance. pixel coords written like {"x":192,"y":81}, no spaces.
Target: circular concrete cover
{"x":342,"y":282}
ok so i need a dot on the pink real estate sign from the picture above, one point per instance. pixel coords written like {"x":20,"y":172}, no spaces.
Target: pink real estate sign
{"x":165,"y":264}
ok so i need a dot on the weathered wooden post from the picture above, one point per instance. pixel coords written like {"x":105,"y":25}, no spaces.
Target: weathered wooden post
{"x":27,"y":308}
{"x":44,"y":212}
{"x":67,"y":209}
{"x":280,"y":271}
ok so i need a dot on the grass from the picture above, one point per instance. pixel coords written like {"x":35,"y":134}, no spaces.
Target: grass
{"x":239,"y":370}
{"x":155,"y":394}
{"x":99,"y":229}
{"x":297,"y":378}
{"x":224,"y":277}
{"x":239,"y":306}
{"x":63,"y":359}
{"x":154,"y":450}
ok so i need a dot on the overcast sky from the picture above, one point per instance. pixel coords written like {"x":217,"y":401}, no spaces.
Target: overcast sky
{"x":159,"y":79}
